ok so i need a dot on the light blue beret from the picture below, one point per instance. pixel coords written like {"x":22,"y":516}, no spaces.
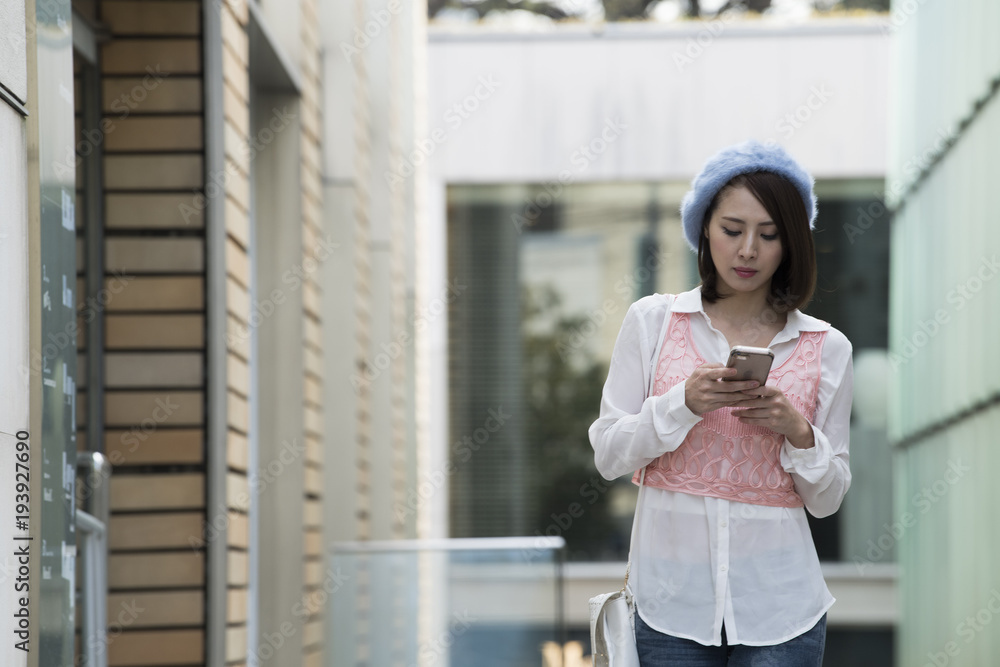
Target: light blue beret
{"x":751,"y":155}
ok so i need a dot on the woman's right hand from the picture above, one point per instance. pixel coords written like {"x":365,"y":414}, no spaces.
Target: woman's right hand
{"x":705,"y":390}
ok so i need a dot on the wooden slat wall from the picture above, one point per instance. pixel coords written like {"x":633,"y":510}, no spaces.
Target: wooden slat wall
{"x":236,"y":111}
{"x":312,"y":243}
{"x":154,"y":347}
{"x":154,"y":330}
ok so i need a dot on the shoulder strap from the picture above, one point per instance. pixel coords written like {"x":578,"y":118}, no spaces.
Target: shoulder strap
{"x":635,"y":526}
{"x":642,"y":473}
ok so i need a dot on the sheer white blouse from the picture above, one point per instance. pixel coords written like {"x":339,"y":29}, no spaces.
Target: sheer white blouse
{"x":701,"y":560}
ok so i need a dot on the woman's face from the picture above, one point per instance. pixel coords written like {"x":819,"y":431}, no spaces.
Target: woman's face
{"x":745,"y":244}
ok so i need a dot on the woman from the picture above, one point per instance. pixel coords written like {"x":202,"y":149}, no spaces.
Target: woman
{"x":725,"y":571}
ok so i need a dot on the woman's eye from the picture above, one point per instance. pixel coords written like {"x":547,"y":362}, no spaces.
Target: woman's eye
{"x":769,"y":237}
{"x":730,"y":232}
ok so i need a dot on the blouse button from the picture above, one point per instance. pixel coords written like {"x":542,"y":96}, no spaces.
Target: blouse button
{"x":723,"y":524}
{"x":723,"y":568}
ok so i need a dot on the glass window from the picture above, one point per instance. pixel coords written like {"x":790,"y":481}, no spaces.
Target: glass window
{"x":549,"y":272}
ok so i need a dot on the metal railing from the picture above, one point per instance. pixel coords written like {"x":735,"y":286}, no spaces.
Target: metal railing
{"x":92,"y":517}
{"x":443,"y":602}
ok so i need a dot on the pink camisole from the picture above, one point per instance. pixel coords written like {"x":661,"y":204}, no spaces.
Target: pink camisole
{"x":721,"y":456}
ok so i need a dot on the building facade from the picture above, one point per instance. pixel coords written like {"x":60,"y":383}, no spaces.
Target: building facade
{"x":195,"y":228}
{"x":943,"y":411}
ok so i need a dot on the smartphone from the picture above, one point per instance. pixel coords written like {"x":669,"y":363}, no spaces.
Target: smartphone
{"x":751,"y":363}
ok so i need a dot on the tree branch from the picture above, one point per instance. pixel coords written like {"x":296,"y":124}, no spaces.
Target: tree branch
{"x":486,"y":6}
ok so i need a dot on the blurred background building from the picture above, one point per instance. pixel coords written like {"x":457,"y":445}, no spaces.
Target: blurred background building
{"x":943,"y":415}
{"x":331,"y":289}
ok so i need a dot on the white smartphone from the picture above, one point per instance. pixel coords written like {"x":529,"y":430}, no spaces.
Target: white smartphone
{"x":751,"y":363}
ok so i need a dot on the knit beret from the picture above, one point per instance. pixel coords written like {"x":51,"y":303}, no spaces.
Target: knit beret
{"x":742,"y":158}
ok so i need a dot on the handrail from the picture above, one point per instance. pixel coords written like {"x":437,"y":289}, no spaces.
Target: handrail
{"x":426,"y":584}
{"x":95,"y":471}
{"x":451,"y":544}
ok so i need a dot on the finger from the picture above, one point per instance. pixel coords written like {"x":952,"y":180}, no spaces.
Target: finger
{"x":765,"y":391}
{"x":739,"y":386}
{"x":720,"y":372}
{"x":753,"y":421}
{"x":737,"y":399}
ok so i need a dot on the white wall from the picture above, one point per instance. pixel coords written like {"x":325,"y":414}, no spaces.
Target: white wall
{"x":556,"y":91}
{"x":665,"y":98}
{"x":13,"y":56}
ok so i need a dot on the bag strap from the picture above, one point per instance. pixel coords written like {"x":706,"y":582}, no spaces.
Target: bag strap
{"x":635,"y":526}
{"x":642,"y":475}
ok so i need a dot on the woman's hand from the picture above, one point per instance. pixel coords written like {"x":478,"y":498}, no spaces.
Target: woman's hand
{"x":770,"y":408}
{"x":706,"y":390}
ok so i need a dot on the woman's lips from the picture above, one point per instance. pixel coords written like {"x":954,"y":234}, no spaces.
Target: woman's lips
{"x":745,"y":273}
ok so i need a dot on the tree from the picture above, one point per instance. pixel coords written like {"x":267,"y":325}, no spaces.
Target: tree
{"x":618,"y":10}
{"x":562,"y":389}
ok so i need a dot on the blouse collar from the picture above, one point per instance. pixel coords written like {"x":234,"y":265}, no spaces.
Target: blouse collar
{"x":690,"y":302}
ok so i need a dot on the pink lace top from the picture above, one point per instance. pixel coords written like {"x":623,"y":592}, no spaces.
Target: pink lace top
{"x":721,"y":456}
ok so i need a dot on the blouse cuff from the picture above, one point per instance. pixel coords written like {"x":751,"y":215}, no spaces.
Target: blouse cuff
{"x":677,"y":415}
{"x":810,"y":464}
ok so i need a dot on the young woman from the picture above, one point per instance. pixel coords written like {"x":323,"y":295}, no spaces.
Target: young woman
{"x":724,"y":569}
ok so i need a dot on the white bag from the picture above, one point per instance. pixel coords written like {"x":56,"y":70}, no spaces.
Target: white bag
{"x":612,"y":630}
{"x":612,"y":615}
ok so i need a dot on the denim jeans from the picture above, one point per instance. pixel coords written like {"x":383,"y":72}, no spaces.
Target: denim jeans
{"x":661,"y":650}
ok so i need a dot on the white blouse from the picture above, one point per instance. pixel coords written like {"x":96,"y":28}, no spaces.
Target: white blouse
{"x":701,"y":560}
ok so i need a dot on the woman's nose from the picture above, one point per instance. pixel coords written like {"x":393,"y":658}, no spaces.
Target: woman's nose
{"x":748,"y":248}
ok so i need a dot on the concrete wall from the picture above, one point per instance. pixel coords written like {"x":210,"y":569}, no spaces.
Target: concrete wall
{"x":944,"y":411}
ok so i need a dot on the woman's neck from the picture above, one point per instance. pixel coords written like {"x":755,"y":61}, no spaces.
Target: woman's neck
{"x":742,"y":305}
{"x":738,"y":308}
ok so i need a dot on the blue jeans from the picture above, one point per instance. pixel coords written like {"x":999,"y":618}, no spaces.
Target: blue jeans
{"x":661,"y":650}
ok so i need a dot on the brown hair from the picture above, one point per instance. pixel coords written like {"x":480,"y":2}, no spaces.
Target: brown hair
{"x":794,"y":280}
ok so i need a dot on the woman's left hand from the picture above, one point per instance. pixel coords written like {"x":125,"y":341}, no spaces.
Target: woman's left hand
{"x":774,"y":411}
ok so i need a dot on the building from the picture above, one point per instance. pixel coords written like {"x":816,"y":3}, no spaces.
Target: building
{"x":191,"y":216}
{"x":943,"y":414}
